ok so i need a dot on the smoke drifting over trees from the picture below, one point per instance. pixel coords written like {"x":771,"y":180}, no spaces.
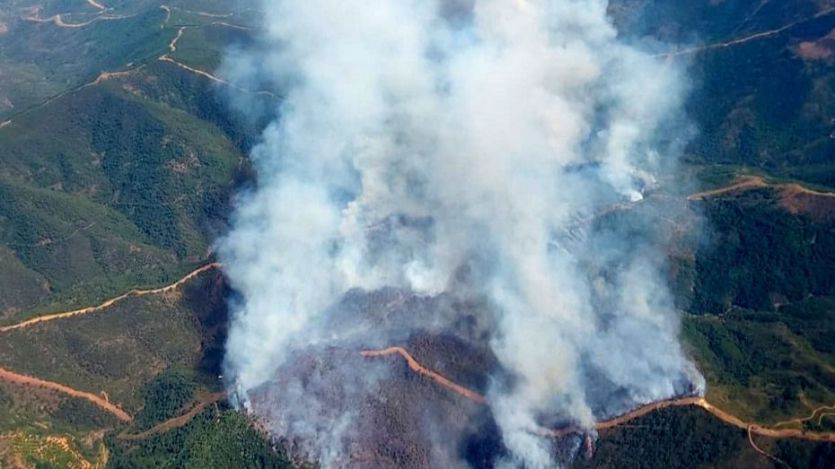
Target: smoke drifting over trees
{"x":462,"y":149}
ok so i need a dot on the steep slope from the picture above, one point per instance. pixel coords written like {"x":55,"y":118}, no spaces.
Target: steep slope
{"x":762,"y":79}
{"x":117,"y":180}
{"x":116,"y":171}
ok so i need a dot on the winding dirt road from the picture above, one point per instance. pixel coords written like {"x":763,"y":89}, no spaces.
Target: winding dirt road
{"x":104,"y":76}
{"x":110,"y":302}
{"x":725,"y":417}
{"x":793,"y":197}
{"x":743,"y":183}
{"x":58,"y":20}
{"x":172,"y":47}
{"x":206,"y":14}
{"x":415,"y":366}
{"x":763,"y":452}
{"x":749,"y":38}
{"x":24,"y":380}
{"x":96,"y":5}
{"x":167,"y":11}
{"x":103,"y":402}
{"x":819,"y":412}
{"x":197,"y":71}
{"x":175,"y":422}
{"x":233,"y":26}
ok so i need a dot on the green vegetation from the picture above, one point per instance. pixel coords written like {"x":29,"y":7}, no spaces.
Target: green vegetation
{"x":214,"y":438}
{"x":757,"y":103}
{"x":678,"y":437}
{"x":759,"y":287}
{"x":79,"y":415}
{"x":116,"y":351}
{"x":124,"y":184}
{"x":108,"y":188}
{"x":53,"y":451}
{"x":176,"y":88}
{"x":156,"y":165}
{"x":150,"y":355}
{"x":804,"y":454}
{"x":72,"y":252}
{"x":33,"y":424}
{"x":714,"y":21}
{"x":690,"y":437}
{"x":202,"y":47}
{"x":165,"y":397}
{"x":74,"y":55}
{"x":46,"y":412}
{"x":767,"y":366}
{"x":758,"y":255}
{"x":762,"y":322}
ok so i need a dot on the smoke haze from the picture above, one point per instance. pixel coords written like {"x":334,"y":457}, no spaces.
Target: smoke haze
{"x":462,"y":148}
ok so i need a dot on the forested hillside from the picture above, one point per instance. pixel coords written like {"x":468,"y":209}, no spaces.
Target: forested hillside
{"x":122,"y":147}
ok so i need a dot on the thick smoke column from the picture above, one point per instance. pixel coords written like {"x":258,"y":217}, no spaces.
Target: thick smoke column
{"x":461,"y":145}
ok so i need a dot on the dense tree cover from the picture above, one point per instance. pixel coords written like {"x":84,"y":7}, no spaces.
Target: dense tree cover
{"x":771,"y":364}
{"x":814,"y":319}
{"x":798,"y":453}
{"x":165,"y":397}
{"x":240,"y":121}
{"x":215,"y":438}
{"x":40,"y":60}
{"x":122,"y":193}
{"x":122,"y":184}
{"x":118,"y":351}
{"x":744,"y":113}
{"x":80,"y":414}
{"x":757,"y":103}
{"x":690,"y":437}
{"x":758,"y":255}
{"x":677,"y":437}
{"x":678,"y":22}
{"x":134,"y":160}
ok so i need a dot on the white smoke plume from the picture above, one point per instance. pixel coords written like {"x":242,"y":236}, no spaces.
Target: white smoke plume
{"x":418,"y":138}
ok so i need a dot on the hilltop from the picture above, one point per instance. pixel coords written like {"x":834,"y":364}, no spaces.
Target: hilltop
{"x":121,"y":150}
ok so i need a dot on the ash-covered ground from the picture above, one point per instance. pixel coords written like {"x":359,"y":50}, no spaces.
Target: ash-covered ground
{"x":449,"y":157}
{"x":377,"y":412}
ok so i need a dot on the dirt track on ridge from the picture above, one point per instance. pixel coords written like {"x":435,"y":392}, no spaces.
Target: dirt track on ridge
{"x":725,"y":417}
{"x":415,"y":366}
{"x":755,"y":182}
{"x":24,"y":380}
{"x":58,"y":20}
{"x":819,"y":412}
{"x":104,"y":403}
{"x":110,"y":302}
{"x":172,"y":47}
{"x":746,"y":182}
{"x":793,"y":197}
{"x":744,"y":39}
